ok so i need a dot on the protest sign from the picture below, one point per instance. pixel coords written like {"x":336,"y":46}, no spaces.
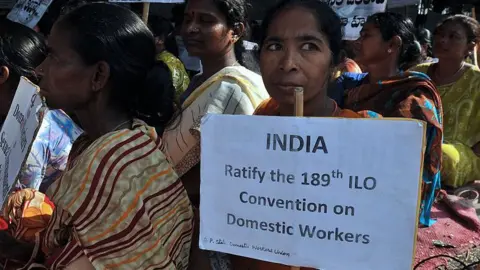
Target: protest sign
{"x":324,"y":193}
{"x":18,"y":132}
{"x":354,"y":14}
{"x":28,"y":12}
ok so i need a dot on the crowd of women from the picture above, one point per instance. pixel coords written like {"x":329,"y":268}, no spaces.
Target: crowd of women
{"x":120,"y":189}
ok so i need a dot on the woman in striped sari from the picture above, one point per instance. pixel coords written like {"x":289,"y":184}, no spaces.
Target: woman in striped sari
{"x":119,"y":205}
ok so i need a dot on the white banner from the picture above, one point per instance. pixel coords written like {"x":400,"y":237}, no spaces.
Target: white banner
{"x":18,"y":132}
{"x":354,"y":14}
{"x":324,"y":193}
{"x":28,"y":12}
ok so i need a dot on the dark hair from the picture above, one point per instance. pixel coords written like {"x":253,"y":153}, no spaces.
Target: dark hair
{"x":236,"y":11}
{"x":393,"y":24}
{"x":160,"y":26}
{"x":178,"y":12}
{"x":328,"y":23}
{"x":424,"y":37}
{"x":163,"y":28}
{"x":116,"y":35}
{"x":58,"y":8}
{"x":471,"y":26}
{"x":21,"y":50}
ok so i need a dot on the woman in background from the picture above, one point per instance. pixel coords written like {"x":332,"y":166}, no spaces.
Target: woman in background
{"x":458,"y":84}
{"x":212,"y":30}
{"x":119,"y":205}
{"x":162,"y":29}
{"x":386,"y":42}
{"x":424,"y":37}
{"x":22,"y":50}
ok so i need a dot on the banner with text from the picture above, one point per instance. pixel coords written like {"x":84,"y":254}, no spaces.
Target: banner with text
{"x":28,"y":12}
{"x":354,"y":13}
{"x":314,"y":192}
{"x":18,"y":132}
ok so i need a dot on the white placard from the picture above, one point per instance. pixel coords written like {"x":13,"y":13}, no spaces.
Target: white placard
{"x":18,"y":132}
{"x":347,"y":199}
{"x":28,"y":12}
{"x":148,"y":1}
{"x":354,"y":14}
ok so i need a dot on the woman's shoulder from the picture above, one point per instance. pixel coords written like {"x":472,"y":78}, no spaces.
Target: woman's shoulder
{"x":245,"y":79}
{"x":422,"y":67}
{"x":139,"y":137}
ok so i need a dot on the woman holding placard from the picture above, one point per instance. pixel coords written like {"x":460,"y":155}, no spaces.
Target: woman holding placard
{"x":386,"y":42}
{"x":119,"y":205}
{"x":300,"y":47}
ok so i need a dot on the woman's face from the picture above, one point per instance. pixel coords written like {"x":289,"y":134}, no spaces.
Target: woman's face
{"x":205,"y":31}
{"x":450,"y":42}
{"x":371,"y":48}
{"x":66,"y":81}
{"x":295,"y":54}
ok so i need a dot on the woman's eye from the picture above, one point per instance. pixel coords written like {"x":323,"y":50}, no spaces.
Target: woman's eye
{"x":310,"y":47}
{"x":274,"y":47}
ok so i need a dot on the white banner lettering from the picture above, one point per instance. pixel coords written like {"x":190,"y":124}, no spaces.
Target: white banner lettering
{"x":313,"y":192}
{"x":354,"y":14}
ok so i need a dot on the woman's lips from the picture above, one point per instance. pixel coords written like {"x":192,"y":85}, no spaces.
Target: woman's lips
{"x":288,"y":87}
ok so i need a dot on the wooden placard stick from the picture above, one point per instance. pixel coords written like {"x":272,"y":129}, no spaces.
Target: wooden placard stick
{"x":298,"y":112}
{"x":298,"y":101}
{"x":145,"y":12}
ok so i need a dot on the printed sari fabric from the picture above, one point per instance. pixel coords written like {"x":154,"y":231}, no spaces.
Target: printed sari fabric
{"x":408,"y":95}
{"x":27,"y":213}
{"x":121,"y":205}
{"x":177,"y":69}
{"x":49,"y":152}
{"x":232,"y":90}
{"x":461,"y":102}
{"x":348,"y":65}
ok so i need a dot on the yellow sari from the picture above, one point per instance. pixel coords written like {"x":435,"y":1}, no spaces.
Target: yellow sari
{"x":461,"y":105}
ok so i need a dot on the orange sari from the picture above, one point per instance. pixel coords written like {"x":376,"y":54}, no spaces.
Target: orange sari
{"x":270,"y":108}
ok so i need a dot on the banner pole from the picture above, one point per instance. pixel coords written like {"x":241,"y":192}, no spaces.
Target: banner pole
{"x":145,"y":12}
{"x":298,"y":112}
{"x":298,"y":101}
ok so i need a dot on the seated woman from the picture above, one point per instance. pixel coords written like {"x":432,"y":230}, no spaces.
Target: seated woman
{"x":119,"y":205}
{"x":22,"y":49}
{"x":386,"y":41}
{"x":213,"y":30}
{"x":457,"y":82}
{"x":301,"y":43}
